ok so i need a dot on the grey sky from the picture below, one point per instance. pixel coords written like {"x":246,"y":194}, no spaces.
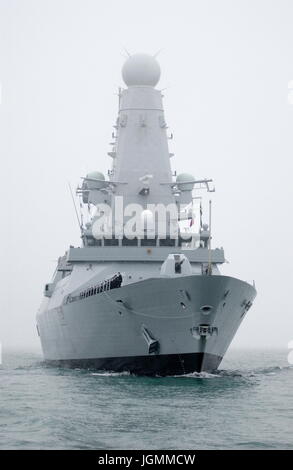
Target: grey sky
{"x":226,"y":66}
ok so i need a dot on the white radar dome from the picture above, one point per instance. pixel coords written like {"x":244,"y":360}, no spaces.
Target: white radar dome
{"x":95,"y":175}
{"x":184,"y":181}
{"x":141,"y":70}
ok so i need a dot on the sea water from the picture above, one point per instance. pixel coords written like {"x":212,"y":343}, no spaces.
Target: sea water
{"x":247,"y":404}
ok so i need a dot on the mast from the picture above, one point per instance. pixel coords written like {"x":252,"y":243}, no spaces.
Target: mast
{"x":141,"y":173}
{"x":142,"y":159}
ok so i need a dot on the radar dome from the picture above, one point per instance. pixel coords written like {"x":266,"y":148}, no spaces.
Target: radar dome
{"x":141,"y":70}
{"x":95,"y":175}
{"x":184,"y":181}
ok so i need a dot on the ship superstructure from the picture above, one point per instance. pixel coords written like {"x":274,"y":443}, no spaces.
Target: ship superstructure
{"x":144,"y":291}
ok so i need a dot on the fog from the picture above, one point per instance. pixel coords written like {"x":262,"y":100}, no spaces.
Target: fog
{"x":225,"y":72}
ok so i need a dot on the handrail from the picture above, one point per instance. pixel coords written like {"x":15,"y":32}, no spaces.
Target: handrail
{"x":103,"y":286}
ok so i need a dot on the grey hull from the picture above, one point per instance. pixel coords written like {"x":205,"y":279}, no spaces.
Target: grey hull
{"x":105,"y":331}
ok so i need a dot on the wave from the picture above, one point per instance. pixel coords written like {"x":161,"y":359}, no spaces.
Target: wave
{"x":221,"y":373}
{"x":217,"y":374}
{"x":272,"y":370}
{"x":111,"y":374}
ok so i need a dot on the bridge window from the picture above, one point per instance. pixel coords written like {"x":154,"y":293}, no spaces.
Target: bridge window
{"x":111,"y":242}
{"x":129,"y":241}
{"x":148,"y":242}
{"x":167,"y":241}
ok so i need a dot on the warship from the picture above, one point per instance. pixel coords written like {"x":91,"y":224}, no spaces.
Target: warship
{"x":143,"y":293}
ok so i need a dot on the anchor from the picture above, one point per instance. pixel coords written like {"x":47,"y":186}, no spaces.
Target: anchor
{"x":153,"y":344}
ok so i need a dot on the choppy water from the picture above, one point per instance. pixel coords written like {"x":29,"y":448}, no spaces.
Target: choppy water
{"x":248,"y":404}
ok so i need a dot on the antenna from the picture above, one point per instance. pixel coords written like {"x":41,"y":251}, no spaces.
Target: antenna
{"x":75,"y":208}
{"x":157,"y":53}
{"x":119,"y":98}
{"x":125,"y":50}
{"x":210,"y":244}
{"x":80,"y":213}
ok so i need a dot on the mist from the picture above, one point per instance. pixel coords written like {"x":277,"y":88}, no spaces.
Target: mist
{"x":226,"y":68}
